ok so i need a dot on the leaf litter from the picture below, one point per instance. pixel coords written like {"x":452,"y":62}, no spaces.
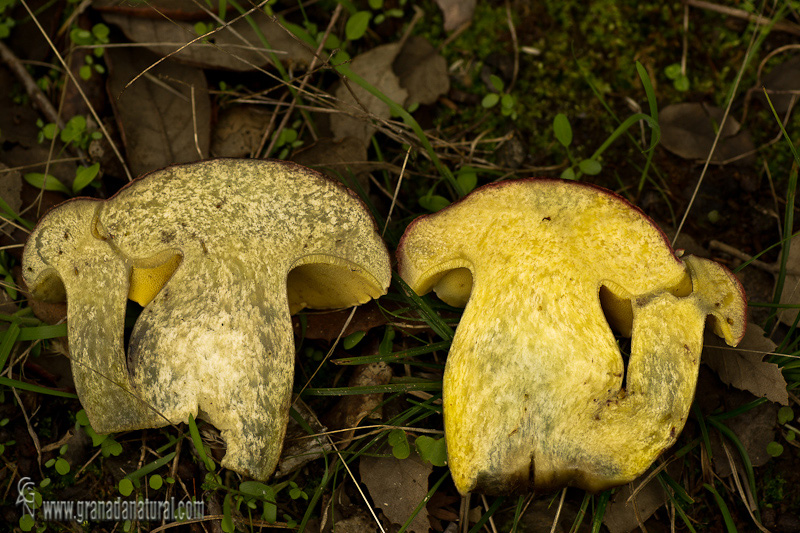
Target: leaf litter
{"x":163,"y":114}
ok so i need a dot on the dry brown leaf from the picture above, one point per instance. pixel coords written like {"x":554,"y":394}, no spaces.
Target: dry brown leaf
{"x":755,"y":429}
{"x":397,"y":487}
{"x":456,"y":12}
{"x":19,"y":134}
{"x":328,"y":325}
{"x":359,"y":108}
{"x":743,"y":367}
{"x":422,"y":71}
{"x":239,"y":131}
{"x":782,"y":77}
{"x":11,"y":187}
{"x":174,"y":9}
{"x":790,"y":294}
{"x":157,"y":115}
{"x":622,"y":516}
{"x":235,"y":47}
{"x":688,"y":131}
{"x":300,"y":448}
{"x":337,"y":158}
{"x":352,"y":409}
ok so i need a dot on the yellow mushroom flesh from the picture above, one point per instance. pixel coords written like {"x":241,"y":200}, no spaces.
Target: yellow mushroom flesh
{"x":533,"y":385}
{"x":208,"y":249}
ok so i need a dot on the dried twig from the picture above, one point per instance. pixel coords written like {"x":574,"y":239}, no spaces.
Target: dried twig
{"x":781,"y":25}
{"x":33,"y":90}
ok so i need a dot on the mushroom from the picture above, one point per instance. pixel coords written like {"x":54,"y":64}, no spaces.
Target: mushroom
{"x":220,"y":253}
{"x":536,"y":395}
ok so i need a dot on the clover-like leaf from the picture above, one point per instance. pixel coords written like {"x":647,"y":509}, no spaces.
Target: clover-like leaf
{"x":535,"y":390}
{"x":219,"y":253}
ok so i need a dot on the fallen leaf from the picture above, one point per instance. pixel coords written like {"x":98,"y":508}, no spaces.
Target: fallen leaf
{"x":755,"y":429}
{"x":239,"y":131}
{"x":782,"y":77}
{"x":300,"y":448}
{"x":18,"y":131}
{"x":359,"y":107}
{"x":11,"y":187}
{"x":159,"y":114}
{"x":422,"y":71}
{"x":456,"y":12}
{"x":442,"y":506}
{"x":346,"y":157}
{"x":173,"y":9}
{"x":743,"y":367}
{"x":235,"y":47}
{"x":790,"y":294}
{"x":688,"y":131}
{"x":622,"y":516}
{"x":397,"y":487}
{"x":352,"y":409}
{"x":361,"y":523}
{"x":328,"y":325}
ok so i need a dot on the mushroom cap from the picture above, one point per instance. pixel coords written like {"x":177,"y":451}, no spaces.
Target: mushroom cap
{"x":536,"y":394}
{"x":220,"y":252}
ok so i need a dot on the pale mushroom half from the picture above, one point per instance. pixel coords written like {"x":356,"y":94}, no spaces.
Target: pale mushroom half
{"x":219,"y":253}
{"x":536,"y":393}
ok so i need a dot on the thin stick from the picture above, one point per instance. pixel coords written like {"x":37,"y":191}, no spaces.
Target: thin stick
{"x":516,"y":46}
{"x":305,"y":79}
{"x":396,"y":190}
{"x":30,"y":86}
{"x":31,"y":432}
{"x":558,"y":511}
{"x":730,"y":250}
{"x":719,"y":133}
{"x":787,"y":27}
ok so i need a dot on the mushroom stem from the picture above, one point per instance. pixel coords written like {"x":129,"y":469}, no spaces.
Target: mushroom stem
{"x":96,"y":346}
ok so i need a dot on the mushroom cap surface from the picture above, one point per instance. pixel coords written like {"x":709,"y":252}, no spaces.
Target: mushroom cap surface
{"x":220,"y":252}
{"x":536,"y":393}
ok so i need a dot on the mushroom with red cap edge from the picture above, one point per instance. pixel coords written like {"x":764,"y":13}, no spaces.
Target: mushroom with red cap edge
{"x":219,"y":253}
{"x":535,"y":391}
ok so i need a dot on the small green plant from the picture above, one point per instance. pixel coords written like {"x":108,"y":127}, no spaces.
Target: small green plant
{"x":97,"y":37}
{"x":563,"y":134}
{"x":790,"y":432}
{"x":353,"y":339}
{"x":75,"y":132}
{"x":432,"y":450}
{"x":507,"y":101}
{"x":296,"y":493}
{"x":61,"y":465}
{"x":679,"y":79}
{"x":84,"y":176}
{"x":399,"y":442}
{"x":108,"y":446}
{"x":254,"y":492}
{"x":358,"y":23}
{"x":467,"y":180}
{"x":6,"y":22}
{"x":289,"y":140}
{"x":592,"y":165}
{"x":3,"y":423}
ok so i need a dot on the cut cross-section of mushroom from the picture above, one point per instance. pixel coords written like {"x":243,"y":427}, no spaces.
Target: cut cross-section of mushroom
{"x":533,"y":385}
{"x":219,"y":253}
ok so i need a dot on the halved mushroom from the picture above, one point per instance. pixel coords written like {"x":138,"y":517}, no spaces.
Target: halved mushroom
{"x":535,"y":395}
{"x":218,"y":252}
